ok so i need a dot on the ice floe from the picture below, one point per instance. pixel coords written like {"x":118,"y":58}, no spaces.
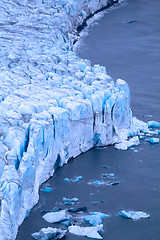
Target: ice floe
{"x":70,"y":201}
{"x":153,"y":140}
{"x":134,"y":215}
{"x":54,"y":217}
{"x":91,"y":232}
{"x":95,"y":218}
{"x":153,"y":124}
{"x":49,"y":233}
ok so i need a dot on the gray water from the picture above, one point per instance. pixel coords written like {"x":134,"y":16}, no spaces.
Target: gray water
{"x":130,"y":51}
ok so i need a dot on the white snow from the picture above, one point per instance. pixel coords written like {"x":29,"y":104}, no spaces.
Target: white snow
{"x":53,"y":105}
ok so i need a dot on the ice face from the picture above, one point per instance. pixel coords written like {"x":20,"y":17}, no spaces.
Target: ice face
{"x":53,"y":105}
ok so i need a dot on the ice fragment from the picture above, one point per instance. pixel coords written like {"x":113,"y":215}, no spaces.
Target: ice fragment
{"x":134,"y":215}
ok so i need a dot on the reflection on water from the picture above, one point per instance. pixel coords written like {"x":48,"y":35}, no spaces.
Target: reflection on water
{"x":127,"y":41}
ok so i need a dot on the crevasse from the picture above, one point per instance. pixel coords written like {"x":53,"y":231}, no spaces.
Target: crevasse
{"x":53,"y":105}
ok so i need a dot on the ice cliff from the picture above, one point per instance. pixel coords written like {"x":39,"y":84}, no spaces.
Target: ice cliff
{"x":53,"y":105}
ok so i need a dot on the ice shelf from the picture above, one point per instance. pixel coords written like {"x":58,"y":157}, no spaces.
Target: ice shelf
{"x":53,"y":105}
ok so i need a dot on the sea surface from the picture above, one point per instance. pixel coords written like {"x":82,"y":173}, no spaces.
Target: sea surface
{"x":126,"y":41}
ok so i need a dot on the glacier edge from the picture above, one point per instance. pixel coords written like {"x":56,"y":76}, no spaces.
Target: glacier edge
{"x":53,"y":105}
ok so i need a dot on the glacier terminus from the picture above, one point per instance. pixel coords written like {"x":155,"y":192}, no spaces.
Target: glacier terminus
{"x":53,"y":104}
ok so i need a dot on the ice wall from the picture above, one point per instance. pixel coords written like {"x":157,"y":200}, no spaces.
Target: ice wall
{"x":53,"y":105}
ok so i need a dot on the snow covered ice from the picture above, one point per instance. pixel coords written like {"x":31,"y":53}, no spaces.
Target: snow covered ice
{"x":54,"y":217}
{"x":49,"y":233}
{"x":53,"y":105}
{"x":134,"y":215}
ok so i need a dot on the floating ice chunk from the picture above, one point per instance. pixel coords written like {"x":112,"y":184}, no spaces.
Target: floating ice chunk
{"x":111,"y":175}
{"x":77,"y":179}
{"x":66,"y":179}
{"x":134,"y":215}
{"x":134,"y":141}
{"x":95,"y":218}
{"x":153,"y":140}
{"x":47,"y":189}
{"x":69,"y":201}
{"x":153,"y":124}
{"x":49,"y":233}
{"x":91,"y":232}
{"x":96,"y":202}
{"x":54,"y":217}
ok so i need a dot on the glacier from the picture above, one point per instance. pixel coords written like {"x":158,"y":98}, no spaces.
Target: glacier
{"x":53,"y":105}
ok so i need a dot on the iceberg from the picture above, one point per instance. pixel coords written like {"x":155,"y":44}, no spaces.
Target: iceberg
{"x":49,"y":233}
{"x":153,"y":140}
{"x":95,"y":218}
{"x":69,"y":201}
{"x":133,"y":215}
{"x":91,"y":232}
{"x":153,"y":124}
{"x":55,"y":217}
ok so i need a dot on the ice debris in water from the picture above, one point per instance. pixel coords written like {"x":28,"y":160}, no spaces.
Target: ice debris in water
{"x":153,"y":124}
{"x":54,"y":217}
{"x":47,"y":189}
{"x":90,"y":232}
{"x":75,"y":210}
{"x":153,"y":140}
{"x":69,"y":201}
{"x":134,"y":141}
{"x":134,"y":215}
{"x":76,"y":179}
{"x":95,"y":218}
{"x":97,"y":202}
{"x":66,"y":179}
{"x":49,"y":233}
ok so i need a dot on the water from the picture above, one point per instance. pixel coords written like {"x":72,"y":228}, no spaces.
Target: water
{"x":132,"y":52}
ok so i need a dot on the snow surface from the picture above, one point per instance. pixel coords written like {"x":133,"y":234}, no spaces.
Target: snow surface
{"x":53,"y":105}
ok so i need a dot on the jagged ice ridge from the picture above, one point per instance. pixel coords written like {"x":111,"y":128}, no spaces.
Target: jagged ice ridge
{"x":53,"y":105}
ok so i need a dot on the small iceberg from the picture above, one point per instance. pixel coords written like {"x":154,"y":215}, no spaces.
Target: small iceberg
{"x":49,"y":233}
{"x":70,"y":201}
{"x":77,"y":179}
{"x":54,"y":217}
{"x":134,"y":215}
{"x":153,"y":124}
{"x":95,"y":218}
{"x":90,"y":232}
{"x":153,"y":140}
{"x":47,"y":189}
{"x":96,"y":202}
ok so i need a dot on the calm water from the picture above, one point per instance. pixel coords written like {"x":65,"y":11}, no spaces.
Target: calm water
{"x":132,"y":52}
